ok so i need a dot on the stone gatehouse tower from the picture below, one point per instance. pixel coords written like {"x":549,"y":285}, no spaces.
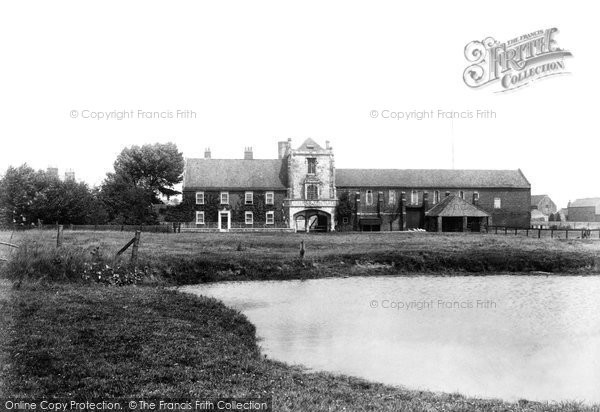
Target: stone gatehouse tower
{"x":311,"y":199}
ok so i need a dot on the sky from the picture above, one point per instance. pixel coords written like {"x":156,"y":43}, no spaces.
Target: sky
{"x":255,"y":73}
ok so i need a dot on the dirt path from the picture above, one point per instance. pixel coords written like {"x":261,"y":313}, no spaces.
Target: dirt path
{"x":4,"y":330}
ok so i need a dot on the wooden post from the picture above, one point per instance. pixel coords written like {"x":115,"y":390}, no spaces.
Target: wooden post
{"x":505,"y":230}
{"x":59,"y":234}
{"x":134,"y":249}
{"x":551,"y":233}
{"x":496,"y":229}
{"x":516,"y":231}
{"x":527,"y":232}
{"x":566,"y":233}
{"x":539,"y":233}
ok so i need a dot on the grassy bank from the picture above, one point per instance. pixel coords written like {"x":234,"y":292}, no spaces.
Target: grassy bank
{"x":196,"y":258}
{"x":91,"y":341}
{"x":66,"y":334}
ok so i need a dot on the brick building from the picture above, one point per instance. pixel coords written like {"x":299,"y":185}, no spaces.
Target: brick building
{"x":584,"y":210}
{"x":544,"y":204}
{"x":302,"y":190}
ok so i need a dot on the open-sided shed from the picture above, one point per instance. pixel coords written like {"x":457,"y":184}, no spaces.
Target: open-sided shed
{"x":454,"y":214}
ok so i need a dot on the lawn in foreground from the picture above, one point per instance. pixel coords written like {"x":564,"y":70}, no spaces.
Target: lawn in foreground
{"x":207,"y":257}
{"x":80,"y":341}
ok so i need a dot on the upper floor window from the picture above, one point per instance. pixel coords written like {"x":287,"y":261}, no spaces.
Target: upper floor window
{"x":475,"y":196}
{"x":199,"y":198}
{"x":436,"y":197}
{"x":270,"y":198}
{"x":369,"y":197}
{"x":497,"y":203}
{"x":312,"y":165}
{"x":249,"y":198}
{"x":249,"y":218}
{"x":312,"y":192}
{"x":414,"y":197}
{"x":199,"y":218}
{"x":461,"y":194}
{"x":270,"y":218}
{"x":224,"y":198}
{"x":392,"y":197}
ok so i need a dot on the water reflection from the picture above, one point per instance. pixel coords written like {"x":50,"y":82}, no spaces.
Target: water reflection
{"x":540,"y":339}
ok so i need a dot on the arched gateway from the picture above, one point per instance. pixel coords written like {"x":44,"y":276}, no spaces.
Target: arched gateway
{"x":312,"y":220}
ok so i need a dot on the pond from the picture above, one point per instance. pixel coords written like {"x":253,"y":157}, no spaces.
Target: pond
{"x":508,"y":337}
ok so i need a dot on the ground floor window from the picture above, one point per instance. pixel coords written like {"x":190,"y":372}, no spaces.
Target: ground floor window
{"x":199,"y":218}
{"x":249,"y":218}
{"x":270,"y":218}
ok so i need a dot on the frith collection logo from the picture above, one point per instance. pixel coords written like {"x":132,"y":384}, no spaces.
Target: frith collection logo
{"x":515,"y":63}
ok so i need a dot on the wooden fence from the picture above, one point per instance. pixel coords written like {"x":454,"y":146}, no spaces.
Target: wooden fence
{"x":551,"y":233}
{"x":164,"y":228}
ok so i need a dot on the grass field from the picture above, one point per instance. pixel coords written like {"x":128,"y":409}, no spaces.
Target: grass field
{"x":194,"y":257}
{"x":62,"y":336}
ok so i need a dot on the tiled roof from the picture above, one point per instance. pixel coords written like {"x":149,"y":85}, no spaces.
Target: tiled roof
{"x":235,"y":174}
{"x":535,"y":199}
{"x":588,"y":202}
{"x":431,"y":178}
{"x":454,"y":206}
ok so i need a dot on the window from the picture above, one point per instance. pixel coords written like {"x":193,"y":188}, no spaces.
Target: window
{"x":199,"y":198}
{"x":312,"y":165}
{"x":249,"y":218}
{"x":312,"y":192}
{"x":414,"y":197}
{"x":199,"y":218}
{"x":249,"y":198}
{"x":392,"y":197}
{"x":497,"y":203}
{"x":270,"y":198}
{"x":345,"y":220}
{"x":369,"y":198}
{"x":475,"y":196}
{"x":436,"y":197}
{"x":461,"y":194}
{"x":270,"y":219}
{"x":224,"y":198}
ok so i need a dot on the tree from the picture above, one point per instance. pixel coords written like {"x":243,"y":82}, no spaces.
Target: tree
{"x":157,"y":167}
{"x":344,"y":207}
{"x":19,"y":187}
{"x":127,"y":203}
{"x":27,"y":196}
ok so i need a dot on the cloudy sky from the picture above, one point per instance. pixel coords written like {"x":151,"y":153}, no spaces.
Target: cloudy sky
{"x":258,"y":72}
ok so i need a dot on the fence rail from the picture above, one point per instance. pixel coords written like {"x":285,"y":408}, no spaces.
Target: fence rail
{"x":552,"y":233}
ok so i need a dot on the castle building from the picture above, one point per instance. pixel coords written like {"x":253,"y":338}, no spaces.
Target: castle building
{"x":303,"y":191}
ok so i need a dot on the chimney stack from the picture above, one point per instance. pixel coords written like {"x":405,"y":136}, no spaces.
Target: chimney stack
{"x":207,"y":154}
{"x":248,"y":153}
{"x":52,"y":171}
{"x":327,"y":145}
{"x":281,"y":149}
{"x":70,"y":175}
